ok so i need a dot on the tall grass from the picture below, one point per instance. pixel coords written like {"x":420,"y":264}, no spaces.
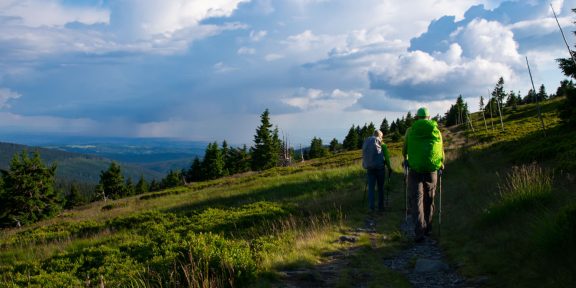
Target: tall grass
{"x":523,"y":188}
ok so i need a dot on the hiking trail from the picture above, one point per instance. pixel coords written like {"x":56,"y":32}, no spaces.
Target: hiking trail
{"x":424,"y":265}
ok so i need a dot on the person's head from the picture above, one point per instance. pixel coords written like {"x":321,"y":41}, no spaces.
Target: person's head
{"x":422,"y":113}
{"x":378,"y":134}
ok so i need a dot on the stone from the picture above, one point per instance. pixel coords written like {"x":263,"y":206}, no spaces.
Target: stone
{"x":429,"y":266}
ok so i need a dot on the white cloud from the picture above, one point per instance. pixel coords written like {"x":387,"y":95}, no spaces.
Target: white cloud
{"x":7,"y":95}
{"x":38,"y":27}
{"x":273,"y":57}
{"x":489,"y":40}
{"x":46,"y":124}
{"x":315,"y":99}
{"x":36,"y":13}
{"x":256,"y":36}
{"x":141,"y":19}
{"x":304,"y":41}
{"x":246,"y":51}
{"x":220,"y":67}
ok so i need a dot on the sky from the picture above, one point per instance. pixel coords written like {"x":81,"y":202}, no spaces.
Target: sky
{"x":205,"y":70}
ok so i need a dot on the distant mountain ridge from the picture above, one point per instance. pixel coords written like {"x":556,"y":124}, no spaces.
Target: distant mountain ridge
{"x":71,"y":166}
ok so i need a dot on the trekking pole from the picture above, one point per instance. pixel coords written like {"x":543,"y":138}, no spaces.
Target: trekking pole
{"x":388,"y":189}
{"x":440,"y":206}
{"x":365,"y":188}
{"x":405,"y":164}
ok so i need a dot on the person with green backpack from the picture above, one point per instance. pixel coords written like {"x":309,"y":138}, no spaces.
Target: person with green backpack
{"x":424,"y":155}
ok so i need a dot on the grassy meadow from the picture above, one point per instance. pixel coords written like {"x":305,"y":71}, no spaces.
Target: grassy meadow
{"x":509,"y":218}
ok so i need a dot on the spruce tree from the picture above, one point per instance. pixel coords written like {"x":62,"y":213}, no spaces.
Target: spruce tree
{"x":28,"y":193}
{"x":266,"y":150}
{"x":141,"y":186}
{"x":317,"y":150}
{"x":351,"y":140}
{"x":226,"y":159}
{"x":112,"y":182}
{"x":74,"y":198}
{"x":195,"y":173}
{"x":334,"y":146}
{"x":213,"y":163}
{"x":409,"y":120}
{"x":172,"y":179}
{"x":384,"y":127}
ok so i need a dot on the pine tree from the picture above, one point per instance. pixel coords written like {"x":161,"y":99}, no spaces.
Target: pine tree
{"x":512,"y":100}
{"x":409,"y":119}
{"x":266,"y":145}
{"x":458,"y":113}
{"x":213,"y":163}
{"x":172,"y":179}
{"x":28,"y":193}
{"x":141,"y":186}
{"x":225,"y":158}
{"x":112,"y":182}
{"x":317,"y":150}
{"x":195,"y":173}
{"x":74,"y":198}
{"x":384,"y":127}
{"x":542,"y":95}
{"x":129,"y":187}
{"x":334,"y":146}
{"x":351,"y":140}
{"x":154,"y":185}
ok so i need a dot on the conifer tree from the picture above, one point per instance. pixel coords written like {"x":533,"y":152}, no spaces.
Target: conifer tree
{"x":409,"y":120}
{"x":351,"y":140}
{"x":28,"y":193}
{"x":129,"y":187}
{"x":317,"y":150}
{"x":74,"y":198}
{"x":225,"y":158}
{"x":266,"y":150}
{"x":213,"y":163}
{"x":195,"y":173}
{"x":334,"y":146}
{"x":112,"y":182}
{"x":172,"y":179}
{"x":141,"y":186}
{"x":384,"y":127}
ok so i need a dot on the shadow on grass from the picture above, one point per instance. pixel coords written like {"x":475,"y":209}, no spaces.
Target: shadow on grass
{"x":307,"y":190}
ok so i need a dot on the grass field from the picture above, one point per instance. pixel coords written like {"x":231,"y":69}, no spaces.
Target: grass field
{"x":509,"y":217}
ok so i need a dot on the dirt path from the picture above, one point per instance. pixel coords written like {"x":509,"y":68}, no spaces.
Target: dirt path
{"x":423,"y":264}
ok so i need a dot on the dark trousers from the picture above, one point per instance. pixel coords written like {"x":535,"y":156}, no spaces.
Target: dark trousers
{"x":422,"y":188}
{"x":376,"y":178}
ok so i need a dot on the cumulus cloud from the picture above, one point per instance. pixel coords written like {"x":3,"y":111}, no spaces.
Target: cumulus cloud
{"x":220,"y":67}
{"x":246,"y":51}
{"x":465,"y":56}
{"x":36,"y":13}
{"x":273,"y":57}
{"x":7,"y":95}
{"x":33,"y":28}
{"x":256,"y":36}
{"x":315,"y":99}
{"x":147,"y":18}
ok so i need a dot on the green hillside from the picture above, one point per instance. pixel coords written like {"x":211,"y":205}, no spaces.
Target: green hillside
{"x":509,"y":214}
{"x":74,"y":166}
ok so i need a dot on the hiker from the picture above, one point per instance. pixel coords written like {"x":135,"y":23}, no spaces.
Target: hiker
{"x":424,"y":154}
{"x":375,"y":158}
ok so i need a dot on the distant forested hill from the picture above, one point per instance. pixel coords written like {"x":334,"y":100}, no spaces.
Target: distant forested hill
{"x":75,"y":166}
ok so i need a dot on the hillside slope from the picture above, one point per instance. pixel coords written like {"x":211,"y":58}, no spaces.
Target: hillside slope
{"x":77,"y":167}
{"x":307,"y":225}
